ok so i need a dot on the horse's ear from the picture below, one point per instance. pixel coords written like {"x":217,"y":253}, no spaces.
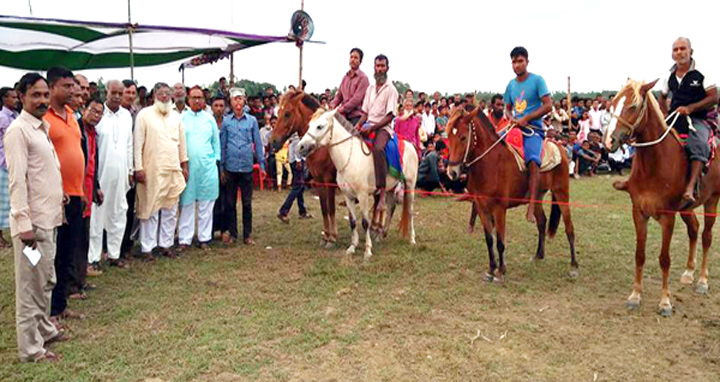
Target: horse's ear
{"x":647,"y":87}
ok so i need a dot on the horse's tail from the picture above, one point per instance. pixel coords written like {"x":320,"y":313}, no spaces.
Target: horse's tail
{"x":405,"y":218}
{"x":555,"y":216}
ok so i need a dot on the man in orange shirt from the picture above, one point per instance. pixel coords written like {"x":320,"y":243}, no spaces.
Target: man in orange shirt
{"x":66,"y":138}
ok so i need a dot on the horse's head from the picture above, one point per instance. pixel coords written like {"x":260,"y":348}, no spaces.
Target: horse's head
{"x":294,"y":112}
{"x":629,"y":107}
{"x":317,"y":133}
{"x":465,"y":132}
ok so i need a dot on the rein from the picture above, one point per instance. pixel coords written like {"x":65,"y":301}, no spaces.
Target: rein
{"x":674,"y":116}
{"x":317,"y":138}
{"x":473,"y":134}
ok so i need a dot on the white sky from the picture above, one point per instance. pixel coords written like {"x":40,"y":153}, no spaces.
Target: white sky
{"x":447,"y":45}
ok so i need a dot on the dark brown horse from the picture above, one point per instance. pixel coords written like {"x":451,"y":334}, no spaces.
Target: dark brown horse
{"x":656,"y":185}
{"x":497,"y":184}
{"x":294,"y":112}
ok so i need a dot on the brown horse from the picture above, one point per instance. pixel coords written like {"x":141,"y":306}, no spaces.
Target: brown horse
{"x":497,"y":184}
{"x":294,"y":112}
{"x":657,"y":181}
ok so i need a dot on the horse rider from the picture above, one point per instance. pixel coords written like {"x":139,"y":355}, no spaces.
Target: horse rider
{"x":378,"y":110}
{"x":527,"y":100}
{"x":692,"y":94}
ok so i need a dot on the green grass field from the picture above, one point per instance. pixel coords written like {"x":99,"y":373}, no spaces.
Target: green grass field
{"x":288,"y":311}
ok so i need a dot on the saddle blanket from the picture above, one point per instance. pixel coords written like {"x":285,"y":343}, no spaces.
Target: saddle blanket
{"x":550,"y":155}
{"x":394,"y":160}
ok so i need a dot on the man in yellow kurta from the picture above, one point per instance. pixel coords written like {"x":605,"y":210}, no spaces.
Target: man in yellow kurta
{"x":161,"y":170}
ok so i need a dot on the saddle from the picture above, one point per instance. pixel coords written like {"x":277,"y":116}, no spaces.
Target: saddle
{"x":550,"y":156}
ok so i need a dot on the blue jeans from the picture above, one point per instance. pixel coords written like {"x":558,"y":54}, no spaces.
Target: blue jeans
{"x":296,"y":191}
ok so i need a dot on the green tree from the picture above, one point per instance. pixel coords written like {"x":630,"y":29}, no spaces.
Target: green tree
{"x":252,"y":88}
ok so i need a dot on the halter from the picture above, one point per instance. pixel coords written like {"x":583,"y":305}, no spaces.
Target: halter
{"x":473,"y":134}
{"x":317,"y":139}
{"x":643,"y":110}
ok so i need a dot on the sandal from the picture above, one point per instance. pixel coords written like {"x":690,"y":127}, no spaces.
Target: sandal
{"x":47,"y":357}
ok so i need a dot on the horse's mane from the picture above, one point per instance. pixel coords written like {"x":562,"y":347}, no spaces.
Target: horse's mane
{"x":345,"y":123}
{"x":320,"y":111}
{"x":308,"y":100}
{"x":473,"y":112}
{"x":635,"y":87}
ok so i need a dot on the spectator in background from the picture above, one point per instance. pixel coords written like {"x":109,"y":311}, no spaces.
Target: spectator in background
{"x":442,"y":120}
{"x":584,"y":126}
{"x":407,"y":125}
{"x":7,"y":116}
{"x":282,"y":162}
{"x":428,"y":121}
{"x":93,"y":90}
{"x":179,"y":97}
{"x":66,"y":137}
{"x":606,"y":115}
{"x":595,"y":115}
{"x":587,"y":160}
{"x":429,"y":170}
{"x":297,"y":168}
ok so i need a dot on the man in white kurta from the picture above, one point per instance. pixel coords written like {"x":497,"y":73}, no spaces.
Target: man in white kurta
{"x":160,"y":170}
{"x":114,"y":137}
{"x":203,"y":148}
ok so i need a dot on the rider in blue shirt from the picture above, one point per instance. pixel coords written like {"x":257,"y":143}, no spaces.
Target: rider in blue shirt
{"x":527,"y":100}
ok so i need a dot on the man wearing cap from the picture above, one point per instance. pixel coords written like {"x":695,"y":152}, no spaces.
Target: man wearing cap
{"x":161,"y":170}
{"x":240,"y":145}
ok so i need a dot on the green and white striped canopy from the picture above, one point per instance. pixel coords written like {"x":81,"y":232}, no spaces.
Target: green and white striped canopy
{"x":39,"y":44}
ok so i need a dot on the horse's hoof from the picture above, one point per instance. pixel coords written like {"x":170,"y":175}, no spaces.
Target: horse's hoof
{"x":665,"y":311}
{"x":701,"y":289}
{"x":367,"y":256}
{"x":413,"y":242}
{"x":687,"y":278}
{"x":323,"y":242}
{"x":488,"y":277}
{"x":632,"y":304}
{"x":329,"y":245}
{"x":350,"y":251}
{"x":498,"y":280}
{"x":574,"y":273}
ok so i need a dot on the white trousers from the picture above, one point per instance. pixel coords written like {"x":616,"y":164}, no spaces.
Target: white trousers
{"x":149,"y":229}
{"x":186,"y":229}
{"x":111,"y":220}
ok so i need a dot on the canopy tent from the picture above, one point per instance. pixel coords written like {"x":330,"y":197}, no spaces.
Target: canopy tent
{"x":37,"y":44}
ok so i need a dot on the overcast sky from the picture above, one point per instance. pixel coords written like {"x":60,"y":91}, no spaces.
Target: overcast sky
{"x":447,"y":45}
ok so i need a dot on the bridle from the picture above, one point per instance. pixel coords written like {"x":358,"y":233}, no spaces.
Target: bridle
{"x":473,"y":136}
{"x":329,"y":130}
{"x":643,"y":111}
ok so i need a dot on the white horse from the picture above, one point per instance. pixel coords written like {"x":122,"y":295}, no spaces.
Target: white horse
{"x":356,"y":174}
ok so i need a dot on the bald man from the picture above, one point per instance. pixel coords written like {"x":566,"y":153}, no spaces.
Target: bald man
{"x":179,"y":97}
{"x":693,"y":94}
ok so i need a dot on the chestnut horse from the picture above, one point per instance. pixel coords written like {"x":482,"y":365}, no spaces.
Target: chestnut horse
{"x":294,"y":113}
{"x":497,"y":184}
{"x":657,"y":181}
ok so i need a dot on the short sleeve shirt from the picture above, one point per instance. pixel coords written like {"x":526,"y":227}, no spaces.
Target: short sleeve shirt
{"x":380,"y":102}
{"x":526,"y":97}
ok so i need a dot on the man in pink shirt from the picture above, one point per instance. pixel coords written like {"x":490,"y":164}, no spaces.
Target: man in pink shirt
{"x":378,"y":111}
{"x":350,"y":95}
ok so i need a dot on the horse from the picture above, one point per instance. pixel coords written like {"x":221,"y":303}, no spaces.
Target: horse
{"x":657,"y":181}
{"x":356,"y":173}
{"x":294,"y":113}
{"x":497,"y":184}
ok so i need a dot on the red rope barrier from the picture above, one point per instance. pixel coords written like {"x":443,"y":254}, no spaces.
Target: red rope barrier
{"x":469,"y":196}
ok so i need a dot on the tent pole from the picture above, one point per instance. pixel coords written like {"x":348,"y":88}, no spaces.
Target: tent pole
{"x":302,"y":8}
{"x":132,"y":53}
{"x":232,"y":70}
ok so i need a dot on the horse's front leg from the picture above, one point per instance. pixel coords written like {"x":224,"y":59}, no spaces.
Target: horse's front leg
{"x":500,"y":215}
{"x":354,"y":224}
{"x":641,"y":222}
{"x":667,"y":223}
{"x":710,"y":211}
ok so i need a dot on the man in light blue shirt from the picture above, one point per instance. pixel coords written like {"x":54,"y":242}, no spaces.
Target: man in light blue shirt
{"x":527,"y":100}
{"x":240,"y":146}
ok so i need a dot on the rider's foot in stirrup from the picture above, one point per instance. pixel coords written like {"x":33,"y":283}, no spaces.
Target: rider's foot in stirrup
{"x":381,"y":200}
{"x":688,"y":199}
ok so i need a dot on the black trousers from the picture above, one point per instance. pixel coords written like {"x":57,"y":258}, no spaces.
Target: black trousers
{"x":69,"y":248}
{"x":219,"y":210}
{"x":81,"y":260}
{"x":296,"y":192}
{"x":243,"y":181}
{"x":127,"y":241}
